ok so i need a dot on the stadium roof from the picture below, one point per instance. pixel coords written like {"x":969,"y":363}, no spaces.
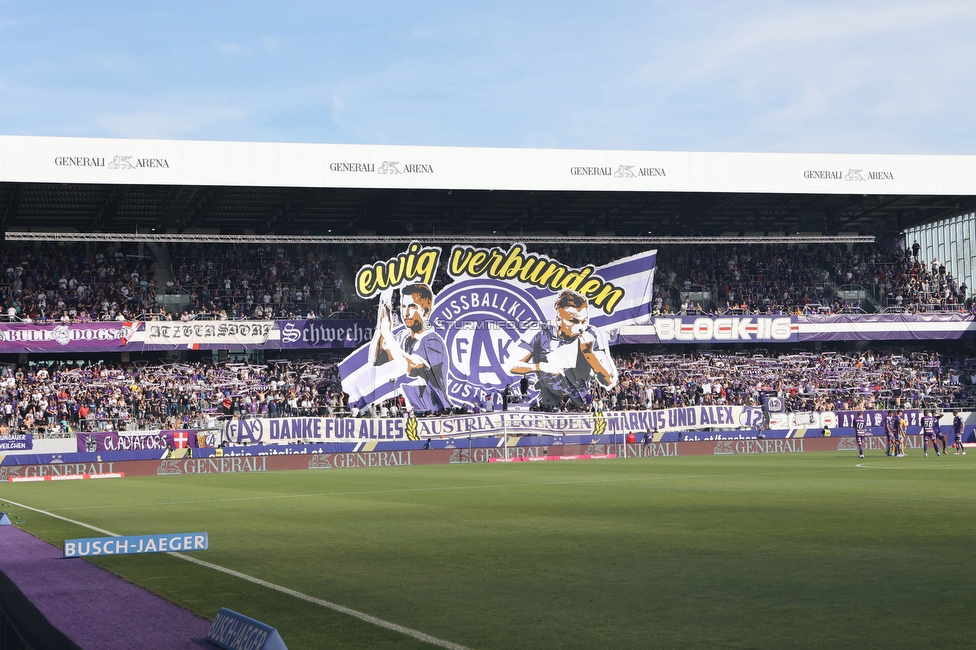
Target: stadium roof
{"x":110,"y":185}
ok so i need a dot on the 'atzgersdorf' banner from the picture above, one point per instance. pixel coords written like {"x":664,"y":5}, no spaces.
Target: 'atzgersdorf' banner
{"x":509,"y":320}
{"x":255,"y":431}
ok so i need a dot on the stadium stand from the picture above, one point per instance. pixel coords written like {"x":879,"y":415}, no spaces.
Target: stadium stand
{"x":63,"y":397}
{"x":65,"y":282}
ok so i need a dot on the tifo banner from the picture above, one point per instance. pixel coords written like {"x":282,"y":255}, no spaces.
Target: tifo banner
{"x":129,"y":441}
{"x":23,"y":442}
{"x":76,"y":337}
{"x":304,"y":334}
{"x":722,"y":329}
{"x":254,"y":431}
{"x":510,"y":321}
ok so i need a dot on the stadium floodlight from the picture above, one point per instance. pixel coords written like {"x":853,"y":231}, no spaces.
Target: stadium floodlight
{"x":495,"y":238}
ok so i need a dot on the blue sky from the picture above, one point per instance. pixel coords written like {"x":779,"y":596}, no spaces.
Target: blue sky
{"x":871,"y":77}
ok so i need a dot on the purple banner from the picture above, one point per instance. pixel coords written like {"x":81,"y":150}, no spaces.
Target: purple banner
{"x":303,"y":334}
{"x":887,"y":327}
{"x":140,"y":441}
{"x":876,"y":419}
{"x":17,"y":443}
{"x":77,"y":337}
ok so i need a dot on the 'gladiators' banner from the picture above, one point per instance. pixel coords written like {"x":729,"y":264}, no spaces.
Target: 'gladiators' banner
{"x":255,"y":431}
{"x":113,"y":441}
{"x":509,"y":320}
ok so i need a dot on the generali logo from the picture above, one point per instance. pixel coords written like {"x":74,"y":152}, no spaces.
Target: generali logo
{"x":116,"y":162}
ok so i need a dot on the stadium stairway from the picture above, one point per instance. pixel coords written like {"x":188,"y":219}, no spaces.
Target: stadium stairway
{"x":172,"y":299}
{"x":348,"y":291}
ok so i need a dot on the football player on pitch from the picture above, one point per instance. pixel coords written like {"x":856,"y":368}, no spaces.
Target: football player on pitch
{"x":957,"y":432}
{"x":860,"y":432}
{"x":940,"y":436}
{"x":928,"y":433}
{"x":889,"y":429}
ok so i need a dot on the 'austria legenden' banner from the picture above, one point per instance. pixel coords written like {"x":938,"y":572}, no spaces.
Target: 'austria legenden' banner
{"x":509,"y":319}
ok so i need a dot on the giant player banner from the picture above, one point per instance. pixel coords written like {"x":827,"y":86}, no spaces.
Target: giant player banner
{"x":508,"y":320}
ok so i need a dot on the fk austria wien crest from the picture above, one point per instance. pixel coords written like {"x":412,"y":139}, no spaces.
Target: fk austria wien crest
{"x":507,"y":320}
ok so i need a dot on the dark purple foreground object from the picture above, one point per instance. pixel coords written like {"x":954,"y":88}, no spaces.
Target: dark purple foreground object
{"x":94,"y":608}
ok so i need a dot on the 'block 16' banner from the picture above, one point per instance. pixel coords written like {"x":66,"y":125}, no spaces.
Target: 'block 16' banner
{"x":510,"y":321}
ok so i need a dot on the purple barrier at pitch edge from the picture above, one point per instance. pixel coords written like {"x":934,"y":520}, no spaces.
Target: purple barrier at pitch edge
{"x":94,"y":608}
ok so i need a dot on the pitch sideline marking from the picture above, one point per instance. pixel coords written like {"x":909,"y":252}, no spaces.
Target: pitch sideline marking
{"x":363,"y":616}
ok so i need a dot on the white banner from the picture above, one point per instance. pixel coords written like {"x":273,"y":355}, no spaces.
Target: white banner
{"x":194,"y":335}
{"x":285,"y":431}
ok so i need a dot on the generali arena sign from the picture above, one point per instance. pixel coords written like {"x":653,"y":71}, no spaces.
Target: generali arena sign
{"x":261,"y":164}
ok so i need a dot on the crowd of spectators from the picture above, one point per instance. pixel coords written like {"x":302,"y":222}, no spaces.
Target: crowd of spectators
{"x":259,"y":281}
{"x":806,"y":381}
{"x":57,"y":282}
{"x":65,"y":397}
{"x":911,"y":284}
{"x":766,"y":278}
{"x":78,"y":282}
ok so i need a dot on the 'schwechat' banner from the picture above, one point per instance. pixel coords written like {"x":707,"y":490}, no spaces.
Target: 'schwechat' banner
{"x":510,"y":320}
{"x":305,"y":334}
{"x":255,"y":431}
{"x":129,"y":441}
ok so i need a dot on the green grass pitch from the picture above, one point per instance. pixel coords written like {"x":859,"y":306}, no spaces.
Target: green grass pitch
{"x":790,"y":550}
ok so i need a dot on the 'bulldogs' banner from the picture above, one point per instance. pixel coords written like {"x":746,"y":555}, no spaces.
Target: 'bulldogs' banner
{"x":112,"y":441}
{"x":510,"y":318}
